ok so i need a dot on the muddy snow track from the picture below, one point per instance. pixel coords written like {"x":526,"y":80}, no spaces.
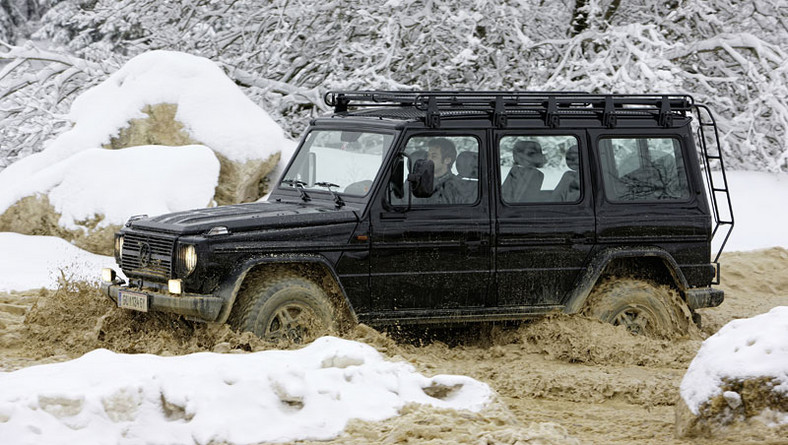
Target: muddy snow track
{"x":561,"y":380}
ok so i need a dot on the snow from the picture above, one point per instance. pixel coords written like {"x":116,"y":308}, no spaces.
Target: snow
{"x":118,"y":183}
{"x":742,"y":349}
{"x":758,"y":209}
{"x":271,"y":396}
{"x":33,"y":262}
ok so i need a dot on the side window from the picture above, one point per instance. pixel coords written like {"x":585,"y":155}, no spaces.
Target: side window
{"x":643,"y":169}
{"x":539,"y":169}
{"x":456,"y":160}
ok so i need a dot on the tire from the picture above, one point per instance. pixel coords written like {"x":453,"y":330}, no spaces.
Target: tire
{"x":642,"y":307}
{"x":286,"y":308}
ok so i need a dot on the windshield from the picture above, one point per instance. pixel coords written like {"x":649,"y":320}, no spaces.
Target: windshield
{"x":345,"y":161}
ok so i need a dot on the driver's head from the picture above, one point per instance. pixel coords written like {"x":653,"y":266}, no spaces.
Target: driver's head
{"x":442,"y":153}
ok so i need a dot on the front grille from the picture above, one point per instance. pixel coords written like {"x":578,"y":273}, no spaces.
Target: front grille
{"x":147,"y":255}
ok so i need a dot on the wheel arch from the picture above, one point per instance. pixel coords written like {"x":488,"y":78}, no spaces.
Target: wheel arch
{"x":318,"y":268}
{"x":649,"y":263}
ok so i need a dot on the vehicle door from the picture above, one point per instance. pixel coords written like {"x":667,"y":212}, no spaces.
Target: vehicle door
{"x":649,"y":196}
{"x":545,"y":215}
{"x":434,"y":253}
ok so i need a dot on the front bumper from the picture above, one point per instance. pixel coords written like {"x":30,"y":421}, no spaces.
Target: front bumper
{"x":195,"y":306}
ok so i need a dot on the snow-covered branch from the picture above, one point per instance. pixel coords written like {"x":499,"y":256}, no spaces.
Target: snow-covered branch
{"x":285,"y":54}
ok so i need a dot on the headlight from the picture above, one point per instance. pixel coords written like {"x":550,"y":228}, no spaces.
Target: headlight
{"x":118,"y":247}
{"x":187,"y":258}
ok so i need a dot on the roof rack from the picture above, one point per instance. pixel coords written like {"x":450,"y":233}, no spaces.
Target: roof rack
{"x":500,"y":105}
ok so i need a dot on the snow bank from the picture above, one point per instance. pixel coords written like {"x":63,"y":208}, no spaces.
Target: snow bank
{"x":278,"y":396}
{"x":119,"y":183}
{"x":759,"y":216}
{"x":32,"y":262}
{"x":745,"y":349}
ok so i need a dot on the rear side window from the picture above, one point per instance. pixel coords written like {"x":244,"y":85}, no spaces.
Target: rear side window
{"x":643,"y":169}
{"x":539,"y":169}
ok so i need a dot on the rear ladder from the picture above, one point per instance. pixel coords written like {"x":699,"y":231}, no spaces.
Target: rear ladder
{"x":717,"y":185}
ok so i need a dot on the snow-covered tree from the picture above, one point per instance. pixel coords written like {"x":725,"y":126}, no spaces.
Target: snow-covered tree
{"x":16,"y":17}
{"x":286,"y":53}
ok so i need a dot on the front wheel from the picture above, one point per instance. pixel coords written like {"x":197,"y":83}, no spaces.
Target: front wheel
{"x":641,"y":307}
{"x":287,"y":308}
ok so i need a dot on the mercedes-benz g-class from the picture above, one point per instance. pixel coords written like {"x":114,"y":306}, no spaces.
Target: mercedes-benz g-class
{"x":453,"y":207}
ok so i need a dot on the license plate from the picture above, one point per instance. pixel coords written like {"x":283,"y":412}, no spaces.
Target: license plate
{"x":133,"y":300}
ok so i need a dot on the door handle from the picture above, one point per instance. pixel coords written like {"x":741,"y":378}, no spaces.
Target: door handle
{"x":475,"y":246}
{"x":391,"y":216}
{"x":579,"y":238}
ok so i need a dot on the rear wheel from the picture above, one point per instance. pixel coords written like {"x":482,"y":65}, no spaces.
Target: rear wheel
{"x":287,"y":308}
{"x":641,"y":307}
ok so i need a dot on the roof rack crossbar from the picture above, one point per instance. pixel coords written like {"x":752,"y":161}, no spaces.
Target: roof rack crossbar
{"x":433,"y":116}
{"x":609,"y":119}
{"x":500,"y":119}
{"x":551,"y":118}
{"x":665,"y":118}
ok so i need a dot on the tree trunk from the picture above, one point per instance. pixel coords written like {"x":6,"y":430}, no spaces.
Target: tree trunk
{"x":579,"y":17}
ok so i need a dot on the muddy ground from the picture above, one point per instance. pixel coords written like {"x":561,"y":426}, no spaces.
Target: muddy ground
{"x":560,"y":380}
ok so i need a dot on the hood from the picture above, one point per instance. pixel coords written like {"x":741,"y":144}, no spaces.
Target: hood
{"x":252,"y":216}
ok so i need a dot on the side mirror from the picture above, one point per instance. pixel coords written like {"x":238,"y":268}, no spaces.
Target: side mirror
{"x":398,"y":179}
{"x":422,"y":178}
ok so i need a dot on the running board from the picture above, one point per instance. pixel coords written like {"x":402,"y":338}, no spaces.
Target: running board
{"x":454,"y":316}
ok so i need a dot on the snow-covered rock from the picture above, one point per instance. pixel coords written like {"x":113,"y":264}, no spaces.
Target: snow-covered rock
{"x":160,"y":98}
{"x":210,"y":107}
{"x":85,"y":197}
{"x":739,"y":373}
{"x":119,"y":183}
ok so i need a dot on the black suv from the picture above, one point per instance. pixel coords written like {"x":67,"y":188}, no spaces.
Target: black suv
{"x":452,"y":207}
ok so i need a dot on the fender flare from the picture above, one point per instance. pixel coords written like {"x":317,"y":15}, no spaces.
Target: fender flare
{"x":587,"y":280}
{"x":230,"y":287}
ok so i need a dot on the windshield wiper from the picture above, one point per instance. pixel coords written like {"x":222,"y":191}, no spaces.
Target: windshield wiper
{"x":337,"y":199}
{"x":300,"y":186}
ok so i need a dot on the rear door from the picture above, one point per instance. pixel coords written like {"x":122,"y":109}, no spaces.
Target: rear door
{"x":545,"y":214}
{"x":648,"y":195}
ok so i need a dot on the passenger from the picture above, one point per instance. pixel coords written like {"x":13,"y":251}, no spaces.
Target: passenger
{"x":568,"y":188}
{"x":468,"y":172}
{"x":524,"y":181}
{"x":442,"y":153}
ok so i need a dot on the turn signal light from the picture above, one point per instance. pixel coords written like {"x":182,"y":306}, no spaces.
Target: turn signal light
{"x":108,"y":275}
{"x":175,"y":286}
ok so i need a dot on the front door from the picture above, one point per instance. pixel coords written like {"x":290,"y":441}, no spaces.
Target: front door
{"x":434,"y":253}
